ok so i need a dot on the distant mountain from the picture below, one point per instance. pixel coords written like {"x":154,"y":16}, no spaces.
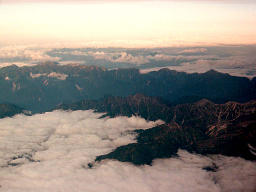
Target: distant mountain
{"x":202,"y":127}
{"x":8,"y":110}
{"x":42,"y":87}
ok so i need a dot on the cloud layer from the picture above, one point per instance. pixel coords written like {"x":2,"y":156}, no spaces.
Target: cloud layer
{"x":235,"y":60}
{"x":23,"y":56}
{"x":233,"y":65}
{"x":51,"y":152}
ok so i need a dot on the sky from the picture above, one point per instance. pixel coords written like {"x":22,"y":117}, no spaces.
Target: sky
{"x":128,"y":23}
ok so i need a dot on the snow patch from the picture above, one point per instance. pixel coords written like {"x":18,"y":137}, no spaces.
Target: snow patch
{"x":59,"y":76}
{"x":37,"y":75}
{"x":78,"y":87}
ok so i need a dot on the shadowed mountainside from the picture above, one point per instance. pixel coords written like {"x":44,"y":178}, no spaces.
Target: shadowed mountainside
{"x":202,"y":127}
{"x":8,"y":110}
{"x":42,"y":87}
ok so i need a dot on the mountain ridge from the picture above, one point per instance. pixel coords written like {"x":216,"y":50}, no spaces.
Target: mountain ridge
{"x":9,"y":110}
{"x":202,"y":127}
{"x":40,"y":88}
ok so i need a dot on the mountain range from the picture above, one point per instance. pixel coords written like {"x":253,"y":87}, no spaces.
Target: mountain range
{"x":202,"y":127}
{"x":208,"y":113}
{"x":41,"y":87}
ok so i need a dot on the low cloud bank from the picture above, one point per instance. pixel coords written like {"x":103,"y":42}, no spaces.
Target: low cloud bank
{"x":24,"y":56}
{"x":51,"y":152}
{"x":234,"y":65}
{"x":235,"y":60}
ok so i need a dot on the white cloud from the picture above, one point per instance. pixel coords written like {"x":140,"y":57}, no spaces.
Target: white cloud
{"x":239,"y":63}
{"x":19,"y":64}
{"x":73,"y":63}
{"x":124,"y":57}
{"x":30,"y":54}
{"x":162,"y":57}
{"x":194,"y":50}
{"x":234,"y":65}
{"x":61,"y":144}
{"x":128,"y":58}
{"x":119,"y":57}
{"x":63,"y":129}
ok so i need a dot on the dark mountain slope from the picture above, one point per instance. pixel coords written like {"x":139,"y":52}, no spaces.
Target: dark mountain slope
{"x":44,"y":86}
{"x":202,"y":127}
{"x":150,"y":108}
{"x":8,"y":110}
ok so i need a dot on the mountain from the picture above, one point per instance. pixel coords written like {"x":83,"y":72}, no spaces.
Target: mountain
{"x":41,"y":87}
{"x":202,"y":127}
{"x":150,"y":108}
{"x":201,"y":111}
{"x":194,"y":107}
{"x":9,"y":110}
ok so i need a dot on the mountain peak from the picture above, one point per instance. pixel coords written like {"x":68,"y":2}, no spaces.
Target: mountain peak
{"x":203,"y":102}
{"x":212,"y":71}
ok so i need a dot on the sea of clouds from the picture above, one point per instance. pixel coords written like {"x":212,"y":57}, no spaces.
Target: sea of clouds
{"x":51,"y":152}
{"x":235,"y":60}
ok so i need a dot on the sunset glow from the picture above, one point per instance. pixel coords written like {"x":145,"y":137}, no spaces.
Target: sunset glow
{"x":119,"y":23}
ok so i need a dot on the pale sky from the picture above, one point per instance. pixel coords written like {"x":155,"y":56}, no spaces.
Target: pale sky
{"x":122,"y":23}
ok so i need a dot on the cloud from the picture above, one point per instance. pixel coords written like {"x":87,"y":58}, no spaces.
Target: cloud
{"x":195,"y":50}
{"x":161,"y":57}
{"x":128,"y":58}
{"x":233,"y":65}
{"x":235,"y":60}
{"x":123,"y":57}
{"x":238,"y":61}
{"x":19,"y":64}
{"x":51,"y":130}
{"x":50,"y":152}
{"x":115,"y":57}
{"x":24,"y":56}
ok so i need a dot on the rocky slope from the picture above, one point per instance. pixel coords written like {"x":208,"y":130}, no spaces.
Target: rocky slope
{"x":150,"y":108}
{"x":202,"y":127}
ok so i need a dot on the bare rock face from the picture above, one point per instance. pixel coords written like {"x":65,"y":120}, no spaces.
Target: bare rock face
{"x":202,"y":127}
